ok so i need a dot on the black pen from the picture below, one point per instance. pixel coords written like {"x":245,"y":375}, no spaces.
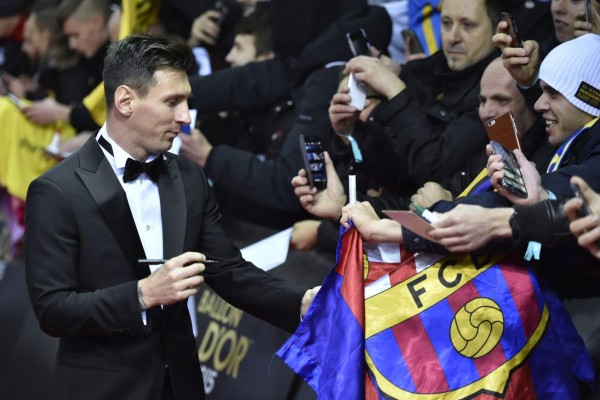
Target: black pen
{"x":156,"y":261}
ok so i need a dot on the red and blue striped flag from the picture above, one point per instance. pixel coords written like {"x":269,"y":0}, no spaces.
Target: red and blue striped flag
{"x":431,"y":327}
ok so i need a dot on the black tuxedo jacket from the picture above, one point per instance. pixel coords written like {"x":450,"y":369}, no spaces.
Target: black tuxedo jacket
{"x":81,"y":253}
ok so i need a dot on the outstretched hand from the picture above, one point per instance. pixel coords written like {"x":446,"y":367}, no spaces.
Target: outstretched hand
{"x":174,"y":281}
{"x":469,"y":227}
{"x":585,"y":227}
{"x":326,"y":203}
{"x":521,"y":62}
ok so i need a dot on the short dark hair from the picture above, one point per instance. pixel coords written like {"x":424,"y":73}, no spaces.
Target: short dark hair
{"x":493,"y":9}
{"x":259,"y":23}
{"x":133,"y":61}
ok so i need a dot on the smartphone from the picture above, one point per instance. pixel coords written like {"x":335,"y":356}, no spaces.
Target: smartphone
{"x":415,"y":43}
{"x":358,"y":42}
{"x":513,"y":179}
{"x":222,"y":7}
{"x":503,"y":130}
{"x":512,"y":30}
{"x":314,"y":161}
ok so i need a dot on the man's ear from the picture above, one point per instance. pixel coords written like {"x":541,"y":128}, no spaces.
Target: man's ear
{"x":124,"y":100}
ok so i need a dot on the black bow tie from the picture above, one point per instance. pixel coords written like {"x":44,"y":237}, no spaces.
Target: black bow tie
{"x":133,"y":169}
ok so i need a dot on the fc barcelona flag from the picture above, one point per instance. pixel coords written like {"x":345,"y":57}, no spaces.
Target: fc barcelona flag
{"x":465,"y":326}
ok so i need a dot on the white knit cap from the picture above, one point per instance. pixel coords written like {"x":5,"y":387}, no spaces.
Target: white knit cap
{"x":573,"y":69}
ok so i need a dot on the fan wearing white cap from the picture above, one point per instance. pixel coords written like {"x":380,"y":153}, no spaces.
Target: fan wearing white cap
{"x":569,"y":78}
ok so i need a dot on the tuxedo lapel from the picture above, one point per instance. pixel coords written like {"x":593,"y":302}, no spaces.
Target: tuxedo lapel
{"x":100,"y":180}
{"x":173,"y":209}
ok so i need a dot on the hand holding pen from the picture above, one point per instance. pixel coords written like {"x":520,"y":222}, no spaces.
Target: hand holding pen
{"x":177,"y":279}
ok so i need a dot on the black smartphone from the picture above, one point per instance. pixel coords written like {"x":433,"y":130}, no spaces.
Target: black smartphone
{"x":358,"y":42}
{"x":415,"y":43}
{"x":314,"y":161}
{"x":222,"y":7}
{"x":585,"y":209}
{"x":512,"y":30}
{"x":513,"y":179}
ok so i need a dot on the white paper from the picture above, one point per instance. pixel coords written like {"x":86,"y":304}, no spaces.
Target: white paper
{"x":53,"y":149}
{"x":270,"y":252}
{"x":357,"y":92}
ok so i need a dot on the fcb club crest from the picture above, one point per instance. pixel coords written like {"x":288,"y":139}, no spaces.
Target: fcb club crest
{"x":475,"y":314}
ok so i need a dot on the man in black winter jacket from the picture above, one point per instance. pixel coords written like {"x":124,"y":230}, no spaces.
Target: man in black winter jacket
{"x":428,"y":127}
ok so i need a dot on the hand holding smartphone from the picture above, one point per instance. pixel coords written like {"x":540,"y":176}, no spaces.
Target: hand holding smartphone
{"x":314,"y":161}
{"x":512,"y":30}
{"x":513,"y":179}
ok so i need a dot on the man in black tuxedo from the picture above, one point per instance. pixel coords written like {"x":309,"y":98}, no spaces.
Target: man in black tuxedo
{"x":124,"y":328}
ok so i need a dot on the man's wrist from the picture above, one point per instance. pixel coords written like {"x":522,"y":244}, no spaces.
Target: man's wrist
{"x":143,"y":305}
{"x":504,"y":225}
{"x":343,"y":201}
{"x":395,"y":90}
{"x":543,"y":194}
{"x":63,"y":113}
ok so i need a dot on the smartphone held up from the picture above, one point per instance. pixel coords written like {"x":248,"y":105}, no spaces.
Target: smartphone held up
{"x":512,"y":30}
{"x":503,"y":130}
{"x":512,"y":179}
{"x":223,"y":8}
{"x":410,"y":36}
{"x":358,"y":42}
{"x":314,"y":161}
